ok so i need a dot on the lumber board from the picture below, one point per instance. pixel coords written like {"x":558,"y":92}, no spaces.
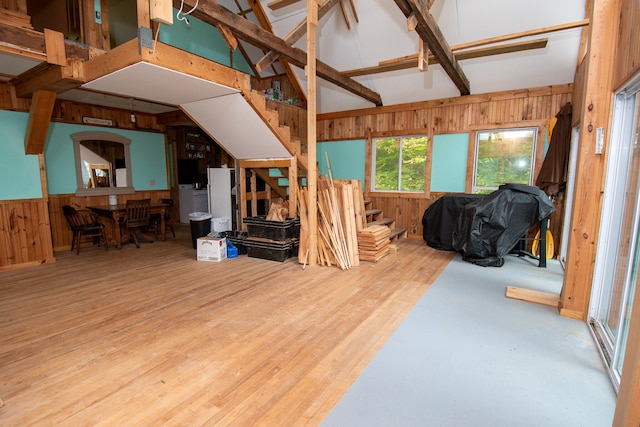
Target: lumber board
{"x":530,"y":295}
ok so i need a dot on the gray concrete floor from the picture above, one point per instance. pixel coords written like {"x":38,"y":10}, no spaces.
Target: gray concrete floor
{"x":467,"y":355}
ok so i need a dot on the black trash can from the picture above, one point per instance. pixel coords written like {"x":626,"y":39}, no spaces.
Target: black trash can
{"x":200,"y":226}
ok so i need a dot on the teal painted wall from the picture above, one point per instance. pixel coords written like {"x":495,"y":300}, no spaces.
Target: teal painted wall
{"x":449,"y":162}
{"x":148,"y":161}
{"x":203,"y":40}
{"x":347,"y":159}
{"x":19,"y":173}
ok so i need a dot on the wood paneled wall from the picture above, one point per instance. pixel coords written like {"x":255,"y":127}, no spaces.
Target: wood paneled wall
{"x":455,"y":115}
{"x":72,"y":112}
{"x":627,"y":60}
{"x":30,"y":230}
{"x":24,"y":234}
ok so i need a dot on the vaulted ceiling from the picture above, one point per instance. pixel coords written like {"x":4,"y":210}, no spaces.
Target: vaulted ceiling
{"x":380,"y":34}
{"x":357,"y":37}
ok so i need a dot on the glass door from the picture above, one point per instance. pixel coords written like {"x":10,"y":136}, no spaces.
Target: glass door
{"x":617,"y":254}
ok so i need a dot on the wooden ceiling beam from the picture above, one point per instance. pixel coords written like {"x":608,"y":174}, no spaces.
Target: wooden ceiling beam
{"x":291,"y":75}
{"x":412,"y":61}
{"x":294,"y":35}
{"x":210,"y":12}
{"x":279,"y":4}
{"x":35,"y":137}
{"x":428,"y":30}
{"x":503,"y":38}
{"x":31,"y":41}
{"x":54,"y":78}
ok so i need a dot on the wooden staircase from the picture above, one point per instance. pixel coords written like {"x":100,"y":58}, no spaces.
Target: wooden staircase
{"x":376,"y":217}
{"x":258,"y":102}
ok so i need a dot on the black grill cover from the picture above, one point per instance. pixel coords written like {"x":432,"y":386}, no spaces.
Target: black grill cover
{"x":489,"y":228}
{"x":440,"y":218}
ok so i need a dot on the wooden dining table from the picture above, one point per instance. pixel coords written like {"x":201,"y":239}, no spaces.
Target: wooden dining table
{"x":114,"y":213}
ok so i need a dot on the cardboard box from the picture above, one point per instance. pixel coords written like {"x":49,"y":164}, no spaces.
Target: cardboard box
{"x":211,"y":249}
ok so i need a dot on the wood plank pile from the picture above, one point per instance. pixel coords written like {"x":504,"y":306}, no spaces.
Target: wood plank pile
{"x":340,"y":217}
{"x":373,"y":242}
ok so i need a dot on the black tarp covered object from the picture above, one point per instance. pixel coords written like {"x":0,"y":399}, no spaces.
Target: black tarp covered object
{"x":440,"y":217}
{"x":488,"y":229}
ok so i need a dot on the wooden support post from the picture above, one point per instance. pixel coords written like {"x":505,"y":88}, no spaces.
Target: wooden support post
{"x":254,"y":193}
{"x":242,"y":182}
{"x":589,"y":186}
{"x":312,"y":169}
{"x":423,"y":56}
{"x":293,"y":187}
{"x":144,"y":13}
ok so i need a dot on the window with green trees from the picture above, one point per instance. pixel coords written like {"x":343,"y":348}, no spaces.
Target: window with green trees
{"x":503,"y":157}
{"x":399,"y":163}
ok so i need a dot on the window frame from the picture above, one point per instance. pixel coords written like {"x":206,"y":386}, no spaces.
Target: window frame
{"x":401,"y":136}
{"x":537,"y":149}
{"x":103,"y":136}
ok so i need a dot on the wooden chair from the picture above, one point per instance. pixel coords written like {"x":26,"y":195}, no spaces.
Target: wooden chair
{"x":136,"y":219}
{"x":85,"y":226}
{"x":155,"y":220}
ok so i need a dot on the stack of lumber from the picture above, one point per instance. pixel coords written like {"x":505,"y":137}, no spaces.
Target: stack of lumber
{"x":340,"y":217}
{"x":373,"y":242}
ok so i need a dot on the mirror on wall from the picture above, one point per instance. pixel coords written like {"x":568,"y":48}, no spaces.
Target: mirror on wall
{"x":103,"y":165}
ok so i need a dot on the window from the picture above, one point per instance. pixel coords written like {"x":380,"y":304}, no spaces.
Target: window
{"x":399,"y":163}
{"x":503,"y":156}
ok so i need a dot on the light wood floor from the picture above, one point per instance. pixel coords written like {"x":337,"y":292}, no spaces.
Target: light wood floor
{"x":151,"y":336}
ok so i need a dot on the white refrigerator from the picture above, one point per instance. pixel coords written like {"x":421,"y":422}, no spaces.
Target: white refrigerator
{"x":220,"y":186}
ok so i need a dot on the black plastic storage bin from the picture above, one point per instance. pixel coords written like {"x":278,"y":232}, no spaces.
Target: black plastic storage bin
{"x":259,"y":226}
{"x":274,"y":251}
{"x":238,"y":240}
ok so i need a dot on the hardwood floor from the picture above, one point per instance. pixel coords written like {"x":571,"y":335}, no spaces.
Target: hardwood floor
{"x":151,"y":336}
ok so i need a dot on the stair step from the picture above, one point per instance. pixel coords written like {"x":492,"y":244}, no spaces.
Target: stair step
{"x":397,"y":233}
{"x":372,"y":212}
{"x":382,"y":221}
{"x":367,"y":202}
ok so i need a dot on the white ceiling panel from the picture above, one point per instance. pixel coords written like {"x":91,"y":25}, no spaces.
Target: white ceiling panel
{"x":233,"y":123}
{"x":151,"y":82}
{"x":14,"y":65}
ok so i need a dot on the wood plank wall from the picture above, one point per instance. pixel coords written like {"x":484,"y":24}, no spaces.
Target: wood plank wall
{"x":455,"y":115}
{"x":24,"y":233}
{"x":627,"y":61}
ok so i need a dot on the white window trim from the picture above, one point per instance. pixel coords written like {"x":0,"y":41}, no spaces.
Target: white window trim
{"x":399,"y":183}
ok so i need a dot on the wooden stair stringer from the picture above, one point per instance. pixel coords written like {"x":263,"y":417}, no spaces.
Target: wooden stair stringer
{"x":270,"y":117}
